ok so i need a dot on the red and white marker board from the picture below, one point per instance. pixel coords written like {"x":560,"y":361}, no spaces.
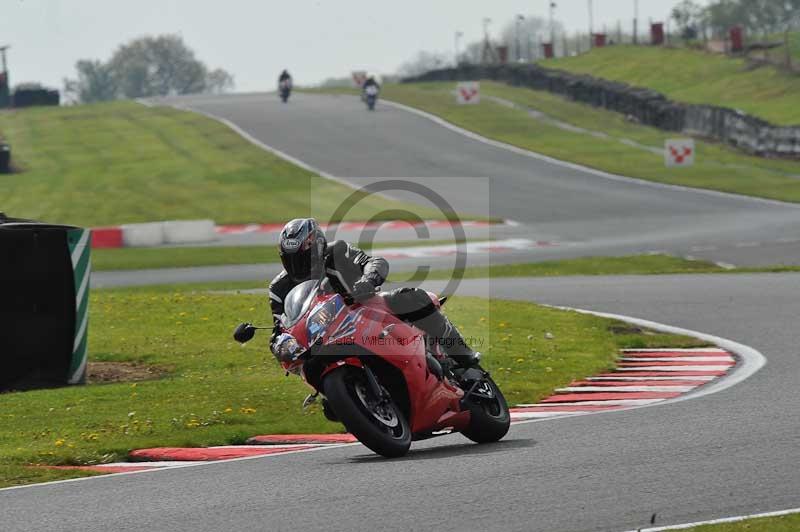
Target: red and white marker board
{"x":679,"y":152}
{"x":359,"y":77}
{"x":468,"y":92}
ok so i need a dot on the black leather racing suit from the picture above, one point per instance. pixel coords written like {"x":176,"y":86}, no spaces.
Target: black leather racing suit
{"x":369,"y":83}
{"x":345,"y":264}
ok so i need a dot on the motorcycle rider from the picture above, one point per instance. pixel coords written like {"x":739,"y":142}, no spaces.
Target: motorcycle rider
{"x":285,"y":76}
{"x":370,"y":82}
{"x":306,"y":254}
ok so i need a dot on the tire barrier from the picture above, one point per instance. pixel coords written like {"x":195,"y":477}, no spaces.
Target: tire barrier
{"x":143,"y":235}
{"x":5,"y":158}
{"x":45,"y":287}
{"x":29,"y":97}
{"x":735,"y":128}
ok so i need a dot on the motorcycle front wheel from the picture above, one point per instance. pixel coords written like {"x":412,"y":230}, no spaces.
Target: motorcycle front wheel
{"x":490,"y":418}
{"x":376,"y":422}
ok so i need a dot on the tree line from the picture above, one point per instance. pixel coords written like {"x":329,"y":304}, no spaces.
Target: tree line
{"x":523,"y":36}
{"x":759,"y":17}
{"x":148,"y":66}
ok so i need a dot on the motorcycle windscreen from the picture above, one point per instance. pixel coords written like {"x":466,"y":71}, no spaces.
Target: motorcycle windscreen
{"x":37,"y":307}
{"x":297,"y":302}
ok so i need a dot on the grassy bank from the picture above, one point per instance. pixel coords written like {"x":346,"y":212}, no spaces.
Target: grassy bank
{"x":121,"y":162}
{"x":630,"y":265}
{"x":778,"y":55}
{"x":692,"y":76}
{"x":717,"y":167}
{"x":216,"y":392}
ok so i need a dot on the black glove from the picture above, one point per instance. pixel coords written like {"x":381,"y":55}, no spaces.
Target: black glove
{"x":276,"y":331}
{"x":362,"y":290}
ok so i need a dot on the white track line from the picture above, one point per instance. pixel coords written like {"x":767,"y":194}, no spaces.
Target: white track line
{"x":674,"y":368}
{"x":617,"y":402}
{"x":678,"y":359}
{"x":736,"y":519}
{"x":686,"y":350}
{"x":750,"y":360}
{"x":517,"y":416}
{"x":163,"y":463}
{"x":266,"y":147}
{"x":489,"y":246}
{"x":627,"y":389}
{"x":267,"y":446}
{"x":634,"y":379}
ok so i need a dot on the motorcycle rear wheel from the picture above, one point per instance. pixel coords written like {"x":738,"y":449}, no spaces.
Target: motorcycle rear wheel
{"x":489,"y":419}
{"x":380,"y":426}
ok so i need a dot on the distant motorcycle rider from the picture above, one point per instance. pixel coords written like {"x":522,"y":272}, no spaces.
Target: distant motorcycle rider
{"x":370,"y":82}
{"x":285,"y":76}
{"x":306,"y":254}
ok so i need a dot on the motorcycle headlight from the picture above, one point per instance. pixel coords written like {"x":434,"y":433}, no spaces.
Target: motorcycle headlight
{"x":321,"y":317}
{"x":286,"y":348}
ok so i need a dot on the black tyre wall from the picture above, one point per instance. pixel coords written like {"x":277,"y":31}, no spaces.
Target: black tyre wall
{"x":37,"y":308}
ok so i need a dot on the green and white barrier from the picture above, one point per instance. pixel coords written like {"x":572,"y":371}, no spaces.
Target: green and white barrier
{"x":79,"y":244}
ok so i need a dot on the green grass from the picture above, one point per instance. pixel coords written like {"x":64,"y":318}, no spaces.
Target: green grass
{"x":717,"y":167}
{"x":692,"y":76}
{"x":121,"y":162}
{"x":630,"y":265}
{"x":778,"y":55}
{"x":178,"y":257}
{"x":784,"y":523}
{"x":217,"y":392}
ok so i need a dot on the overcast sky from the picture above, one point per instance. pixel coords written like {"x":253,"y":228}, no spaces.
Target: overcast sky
{"x":255,"y":39}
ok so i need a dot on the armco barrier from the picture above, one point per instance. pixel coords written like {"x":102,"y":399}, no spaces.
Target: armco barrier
{"x":748,"y":133}
{"x":189,"y":231}
{"x":143,"y":235}
{"x":107,"y":237}
{"x":153,"y":234}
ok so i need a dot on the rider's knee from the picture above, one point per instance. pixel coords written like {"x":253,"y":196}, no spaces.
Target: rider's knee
{"x":410,"y":304}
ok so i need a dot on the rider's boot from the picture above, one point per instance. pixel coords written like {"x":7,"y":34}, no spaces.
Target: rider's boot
{"x":328,"y":412}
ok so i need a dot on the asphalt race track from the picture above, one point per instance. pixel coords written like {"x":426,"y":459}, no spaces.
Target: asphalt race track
{"x":336,"y":135}
{"x":734,"y":452}
{"x":730,"y":453}
{"x":584,"y":213}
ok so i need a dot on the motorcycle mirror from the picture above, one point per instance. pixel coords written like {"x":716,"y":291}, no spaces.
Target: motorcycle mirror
{"x":244,"y":332}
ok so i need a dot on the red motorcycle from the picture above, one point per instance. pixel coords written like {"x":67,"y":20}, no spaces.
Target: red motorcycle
{"x":381,"y":377}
